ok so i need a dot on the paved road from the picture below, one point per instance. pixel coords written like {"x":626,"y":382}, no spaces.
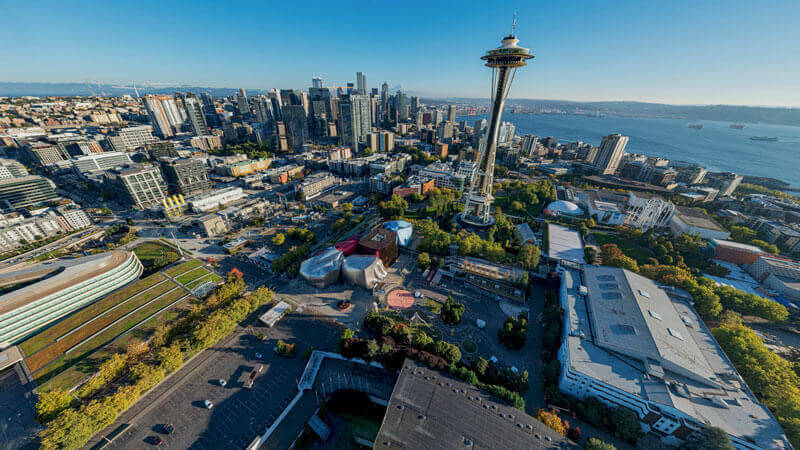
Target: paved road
{"x":239,"y":413}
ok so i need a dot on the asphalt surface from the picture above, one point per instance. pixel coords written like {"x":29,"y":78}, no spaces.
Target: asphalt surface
{"x":239,"y":413}
{"x":18,"y":429}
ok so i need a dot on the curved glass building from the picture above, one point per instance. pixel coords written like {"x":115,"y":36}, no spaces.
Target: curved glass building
{"x":34,"y":296}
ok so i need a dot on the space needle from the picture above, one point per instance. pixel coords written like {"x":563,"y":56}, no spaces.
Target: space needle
{"x":504,"y":61}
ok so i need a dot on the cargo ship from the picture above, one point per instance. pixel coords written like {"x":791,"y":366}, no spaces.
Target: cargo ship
{"x":737,"y":126}
{"x":764,"y":138}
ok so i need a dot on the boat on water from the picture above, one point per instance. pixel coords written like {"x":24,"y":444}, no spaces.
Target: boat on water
{"x":764,"y":138}
{"x":696,"y":126}
{"x":737,"y":126}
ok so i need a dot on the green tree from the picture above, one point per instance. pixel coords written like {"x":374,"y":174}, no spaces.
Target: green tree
{"x":278,"y":239}
{"x":598,"y":444}
{"x":709,"y":438}
{"x":626,"y":424}
{"x":528,"y":256}
{"x":367,"y":151}
{"x":423,"y":260}
{"x":452,"y":311}
{"x":449,"y":352}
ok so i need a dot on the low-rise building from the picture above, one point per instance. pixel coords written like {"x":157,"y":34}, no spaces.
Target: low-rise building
{"x":212,"y":225}
{"x":29,"y":190}
{"x":627,"y":343}
{"x":315,"y":184}
{"x":215,"y":199}
{"x":696,"y":221}
{"x":186,"y":176}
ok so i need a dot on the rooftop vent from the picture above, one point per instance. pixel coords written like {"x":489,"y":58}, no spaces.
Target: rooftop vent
{"x":644,"y":293}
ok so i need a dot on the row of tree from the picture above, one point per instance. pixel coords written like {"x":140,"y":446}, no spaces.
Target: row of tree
{"x":121,"y":380}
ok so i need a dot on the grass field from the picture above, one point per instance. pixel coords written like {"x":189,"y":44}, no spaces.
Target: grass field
{"x":214,"y":278}
{"x":57,"y":348}
{"x":80,"y":352}
{"x":185,"y":267}
{"x":154,"y":254}
{"x":77,"y":372}
{"x":192,"y":275}
{"x":640,"y":254}
{"x":49,"y":335}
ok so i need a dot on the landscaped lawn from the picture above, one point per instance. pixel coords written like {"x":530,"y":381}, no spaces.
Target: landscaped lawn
{"x":80,"y":352}
{"x":640,"y":254}
{"x":48,"y":336}
{"x":212,"y":277}
{"x":191,"y":276}
{"x":54,"y":350}
{"x":154,"y":254}
{"x":433,"y":306}
{"x":75,"y":373}
{"x":185,"y":267}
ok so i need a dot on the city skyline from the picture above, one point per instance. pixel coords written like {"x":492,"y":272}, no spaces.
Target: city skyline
{"x":629,"y":52}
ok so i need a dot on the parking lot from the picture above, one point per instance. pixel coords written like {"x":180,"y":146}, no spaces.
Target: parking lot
{"x":239,"y":413}
{"x":18,"y":429}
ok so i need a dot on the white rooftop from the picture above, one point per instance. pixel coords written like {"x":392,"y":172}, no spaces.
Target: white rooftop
{"x":564,"y":243}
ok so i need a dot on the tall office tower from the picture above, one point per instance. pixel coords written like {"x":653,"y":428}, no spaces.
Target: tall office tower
{"x":610,"y":153}
{"x":197,"y":120}
{"x":361,"y":82}
{"x":384,"y":99}
{"x":242,"y":104}
{"x":374,"y":92}
{"x":209,"y":109}
{"x":401,"y":106}
{"x":414,"y":106}
{"x":316,"y":82}
{"x":420,"y":117}
{"x":354,"y":119}
{"x":451,"y":113}
{"x":263,"y":109}
{"x":321,"y":107}
{"x":438,"y":117}
{"x":275,"y":97}
{"x":163,"y":114}
{"x":506,"y":134}
{"x":373,"y":110}
{"x":294,"y":116}
{"x":528,"y":145}
{"x":351,"y":89}
{"x":504,"y":61}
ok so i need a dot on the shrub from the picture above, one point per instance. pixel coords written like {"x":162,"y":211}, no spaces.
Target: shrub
{"x":286,"y":349}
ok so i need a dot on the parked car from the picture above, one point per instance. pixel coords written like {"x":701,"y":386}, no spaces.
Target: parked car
{"x":167,"y":428}
{"x":208,"y":404}
{"x":222,"y":382}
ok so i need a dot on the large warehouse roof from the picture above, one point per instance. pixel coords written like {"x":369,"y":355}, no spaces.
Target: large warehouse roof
{"x":428,"y":404}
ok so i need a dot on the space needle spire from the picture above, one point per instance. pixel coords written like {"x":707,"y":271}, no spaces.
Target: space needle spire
{"x":504,"y":62}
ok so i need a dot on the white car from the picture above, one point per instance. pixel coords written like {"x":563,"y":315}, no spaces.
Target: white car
{"x":222,"y":382}
{"x":208,"y":404}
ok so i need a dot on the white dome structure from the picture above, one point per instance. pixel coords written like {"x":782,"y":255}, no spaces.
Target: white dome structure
{"x":563,"y":208}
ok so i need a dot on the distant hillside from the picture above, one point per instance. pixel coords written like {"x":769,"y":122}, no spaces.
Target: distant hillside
{"x":724,"y":113}
{"x":16,"y":89}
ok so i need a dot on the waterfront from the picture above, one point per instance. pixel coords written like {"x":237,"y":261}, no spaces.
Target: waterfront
{"x":716,"y":147}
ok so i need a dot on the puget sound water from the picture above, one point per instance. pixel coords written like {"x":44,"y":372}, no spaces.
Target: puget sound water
{"x":717,"y":147}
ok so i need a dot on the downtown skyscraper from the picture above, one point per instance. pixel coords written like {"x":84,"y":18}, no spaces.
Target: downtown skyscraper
{"x":361,"y":83}
{"x":164,"y":114}
{"x":610,"y":153}
{"x":354,"y":119}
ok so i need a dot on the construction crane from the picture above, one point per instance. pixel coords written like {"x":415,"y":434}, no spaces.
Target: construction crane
{"x":89,"y":86}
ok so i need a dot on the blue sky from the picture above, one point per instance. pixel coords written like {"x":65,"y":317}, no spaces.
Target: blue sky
{"x":732,"y":52}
